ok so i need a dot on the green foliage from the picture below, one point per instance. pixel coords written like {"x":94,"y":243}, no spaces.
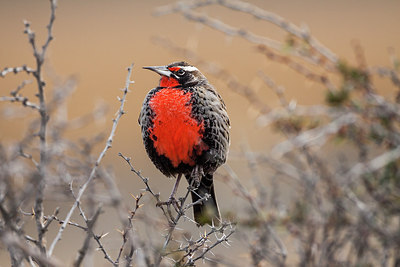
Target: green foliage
{"x":391,"y":173}
{"x":356,"y":76}
{"x":292,"y":124}
{"x":376,"y":136}
{"x":337,"y":98}
{"x":299,"y":212}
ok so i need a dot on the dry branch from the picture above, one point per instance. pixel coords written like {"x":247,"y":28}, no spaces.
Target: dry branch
{"x":97,"y":163}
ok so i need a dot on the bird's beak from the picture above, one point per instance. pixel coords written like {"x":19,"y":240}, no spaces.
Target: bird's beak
{"x":162,"y":70}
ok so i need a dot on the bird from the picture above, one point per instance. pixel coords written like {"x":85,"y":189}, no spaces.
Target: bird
{"x":185,"y":131}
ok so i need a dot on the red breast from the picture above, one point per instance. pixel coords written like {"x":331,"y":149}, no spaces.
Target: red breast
{"x":168,"y":82}
{"x":175,"y":133}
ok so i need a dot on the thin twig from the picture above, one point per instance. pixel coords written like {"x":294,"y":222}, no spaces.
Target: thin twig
{"x":11,"y":240}
{"x":97,"y":163}
{"x":55,"y":218}
{"x":282,"y":23}
{"x":186,"y":9}
{"x":225,"y":238}
{"x":373,"y":165}
{"x":90,"y":225}
{"x":124,"y":233}
{"x":20,"y":87}
{"x":145,"y":180}
{"x":255,"y":206}
{"x":23,"y":100}
{"x":16,"y":70}
{"x":200,"y":244}
{"x":44,"y":117}
{"x":296,"y":66}
{"x":315,"y":136}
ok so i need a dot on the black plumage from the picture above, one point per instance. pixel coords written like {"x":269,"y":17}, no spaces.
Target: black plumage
{"x":208,"y":110}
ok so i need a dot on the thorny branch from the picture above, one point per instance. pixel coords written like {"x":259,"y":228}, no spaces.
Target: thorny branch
{"x":298,"y":67}
{"x":255,"y":206}
{"x":316,"y":136}
{"x":189,"y":258}
{"x":54,"y":217}
{"x":125,"y":233}
{"x":350,"y":200}
{"x":172,"y":222}
{"x":180,"y":209}
{"x":16,"y":70}
{"x":83,"y":251}
{"x":146,"y":182}
{"x":97,"y":163}
{"x":186,"y":8}
{"x":341,"y":210}
{"x":23,"y":100}
{"x":11,"y":240}
{"x":42,"y":108}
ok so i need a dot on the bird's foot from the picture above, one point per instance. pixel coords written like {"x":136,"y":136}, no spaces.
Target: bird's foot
{"x":196,"y":175}
{"x":171,"y":201}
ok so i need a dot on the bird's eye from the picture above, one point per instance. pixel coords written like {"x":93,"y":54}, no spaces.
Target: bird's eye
{"x":180,"y":72}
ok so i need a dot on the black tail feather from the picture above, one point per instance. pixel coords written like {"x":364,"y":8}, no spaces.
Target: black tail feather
{"x":205,"y":212}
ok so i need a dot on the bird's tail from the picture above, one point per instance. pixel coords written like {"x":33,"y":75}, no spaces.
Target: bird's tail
{"x":205,"y":211}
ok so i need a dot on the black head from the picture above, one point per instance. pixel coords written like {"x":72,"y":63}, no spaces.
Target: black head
{"x":183,"y":72}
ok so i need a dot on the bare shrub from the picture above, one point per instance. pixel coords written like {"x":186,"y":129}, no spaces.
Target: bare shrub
{"x":338,"y":160}
{"x":55,"y":169}
{"x":344,"y":209}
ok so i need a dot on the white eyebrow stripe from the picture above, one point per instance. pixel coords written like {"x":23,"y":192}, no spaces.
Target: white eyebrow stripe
{"x":189,"y":68}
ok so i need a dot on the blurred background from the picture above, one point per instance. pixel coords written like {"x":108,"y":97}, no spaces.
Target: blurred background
{"x":95,"y":41}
